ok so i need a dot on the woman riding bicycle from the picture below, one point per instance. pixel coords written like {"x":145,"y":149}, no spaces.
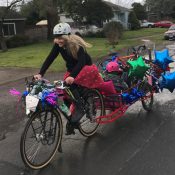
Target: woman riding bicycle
{"x":73,"y":50}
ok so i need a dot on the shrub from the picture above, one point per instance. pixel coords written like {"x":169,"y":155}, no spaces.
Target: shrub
{"x":18,"y":40}
{"x":113,"y":32}
{"x":133,"y":21}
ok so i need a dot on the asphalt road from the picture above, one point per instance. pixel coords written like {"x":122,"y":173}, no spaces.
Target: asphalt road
{"x":139,"y":143}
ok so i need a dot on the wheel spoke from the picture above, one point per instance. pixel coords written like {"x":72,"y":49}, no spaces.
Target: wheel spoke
{"x":94,"y":108}
{"x":41,"y":138}
{"x":31,"y":148}
{"x":32,"y":157}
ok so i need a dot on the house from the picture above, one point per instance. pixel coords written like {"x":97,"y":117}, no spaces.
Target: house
{"x":13,"y":23}
{"x":120,"y":14}
{"x":65,"y":18}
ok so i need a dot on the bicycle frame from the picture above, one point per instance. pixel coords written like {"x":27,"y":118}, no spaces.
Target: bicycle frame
{"x":122,"y":108}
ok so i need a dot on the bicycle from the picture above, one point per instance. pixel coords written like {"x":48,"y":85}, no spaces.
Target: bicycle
{"x":124,"y":82}
{"x":140,"y":50}
{"x":42,"y":135}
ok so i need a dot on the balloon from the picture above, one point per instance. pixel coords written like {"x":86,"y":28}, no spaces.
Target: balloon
{"x":162,"y":58}
{"x":137,"y":67}
{"x":168,"y":81}
{"x":134,"y":95}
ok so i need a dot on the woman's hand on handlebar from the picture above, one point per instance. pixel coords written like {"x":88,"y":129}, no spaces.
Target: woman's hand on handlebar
{"x":69,"y":80}
{"x":37,"y":77}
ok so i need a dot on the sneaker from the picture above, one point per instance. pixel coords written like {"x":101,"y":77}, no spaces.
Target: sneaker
{"x":70,"y":126}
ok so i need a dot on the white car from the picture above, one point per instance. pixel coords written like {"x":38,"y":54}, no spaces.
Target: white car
{"x":85,"y":29}
{"x":170,"y":34}
{"x":147,"y":24}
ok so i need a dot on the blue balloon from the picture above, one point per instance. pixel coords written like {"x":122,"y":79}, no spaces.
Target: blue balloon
{"x":134,"y":95}
{"x":25,"y":93}
{"x":168,"y":81}
{"x":162,"y":58}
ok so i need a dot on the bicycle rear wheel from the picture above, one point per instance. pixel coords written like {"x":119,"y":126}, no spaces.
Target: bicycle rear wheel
{"x":148,"y":99}
{"x":41,"y":138}
{"x":94,"y":107}
{"x":102,"y":65}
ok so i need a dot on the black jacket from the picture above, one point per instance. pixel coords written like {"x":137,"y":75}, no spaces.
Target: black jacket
{"x":74,"y":65}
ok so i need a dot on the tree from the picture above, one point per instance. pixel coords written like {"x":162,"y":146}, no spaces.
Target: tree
{"x":91,"y":11}
{"x":36,"y":10}
{"x":96,"y":12}
{"x":3,"y":14}
{"x":49,"y":8}
{"x":113,"y":32}
{"x":31,"y":11}
{"x":74,"y":8}
{"x":162,"y":8}
{"x":133,"y":21}
{"x":139,"y":11}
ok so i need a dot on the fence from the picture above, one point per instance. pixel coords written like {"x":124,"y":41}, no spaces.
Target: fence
{"x":38,"y":33}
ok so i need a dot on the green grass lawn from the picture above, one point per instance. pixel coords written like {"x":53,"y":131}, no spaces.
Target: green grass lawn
{"x":144,"y":33}
{"x":34,"y":55}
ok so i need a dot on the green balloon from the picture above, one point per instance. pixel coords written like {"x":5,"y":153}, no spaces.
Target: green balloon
{"x":137,"y":68}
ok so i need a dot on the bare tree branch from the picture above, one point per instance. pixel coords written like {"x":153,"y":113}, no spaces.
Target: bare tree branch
{"x":13,"y":3}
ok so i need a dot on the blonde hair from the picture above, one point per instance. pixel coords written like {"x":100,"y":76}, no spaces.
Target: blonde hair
{"x":73,"y":43}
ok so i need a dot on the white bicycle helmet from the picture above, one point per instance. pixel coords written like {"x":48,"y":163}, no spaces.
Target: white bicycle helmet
{"x":62,"y":29}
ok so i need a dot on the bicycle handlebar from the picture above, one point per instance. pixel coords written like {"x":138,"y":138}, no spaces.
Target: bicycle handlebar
{"x":61,"y":84}
{"x":44,"y":82}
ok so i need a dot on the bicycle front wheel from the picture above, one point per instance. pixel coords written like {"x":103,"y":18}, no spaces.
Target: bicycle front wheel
{"x":94,"y":107}
{"x":41,"y":138}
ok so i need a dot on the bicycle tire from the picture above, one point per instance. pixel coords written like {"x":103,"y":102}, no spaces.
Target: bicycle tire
{"x":102,"y":64}
{"x":97,"y":97}
{"x":147,"y":89}
{"x":35,"y":117}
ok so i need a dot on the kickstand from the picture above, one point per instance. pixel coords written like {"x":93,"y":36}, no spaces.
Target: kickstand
{"x":60,"y":148}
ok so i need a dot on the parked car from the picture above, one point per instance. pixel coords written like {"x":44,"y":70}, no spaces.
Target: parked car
{"x":170,"y":34}
{"x":85,"y":29}
{"x":165,"y":24}
{"x":147,"y":24}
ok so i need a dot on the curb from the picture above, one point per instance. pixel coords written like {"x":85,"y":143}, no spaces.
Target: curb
{"x":14,"y":80}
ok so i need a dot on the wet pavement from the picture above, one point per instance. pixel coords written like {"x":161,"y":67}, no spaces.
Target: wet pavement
{"x":8,"y":74}
{"x":139,"y":143}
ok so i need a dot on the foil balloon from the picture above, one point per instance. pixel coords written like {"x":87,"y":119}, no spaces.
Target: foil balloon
{"x":133,"y":96}
{"x":162,"y":59}
{"x":137,"y":68}
{"x":168,"y":81}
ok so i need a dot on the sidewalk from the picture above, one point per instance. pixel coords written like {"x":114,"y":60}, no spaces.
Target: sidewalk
{"x":12,"y":74}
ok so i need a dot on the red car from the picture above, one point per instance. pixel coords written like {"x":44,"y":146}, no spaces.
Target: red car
{"x":165,"y":24}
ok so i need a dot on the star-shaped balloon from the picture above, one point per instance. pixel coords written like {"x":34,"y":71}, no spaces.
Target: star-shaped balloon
{"x":134,"y":95}
{"x":162,"y":58}
{"x":137,"y":68}
{"x":168,"y":81}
